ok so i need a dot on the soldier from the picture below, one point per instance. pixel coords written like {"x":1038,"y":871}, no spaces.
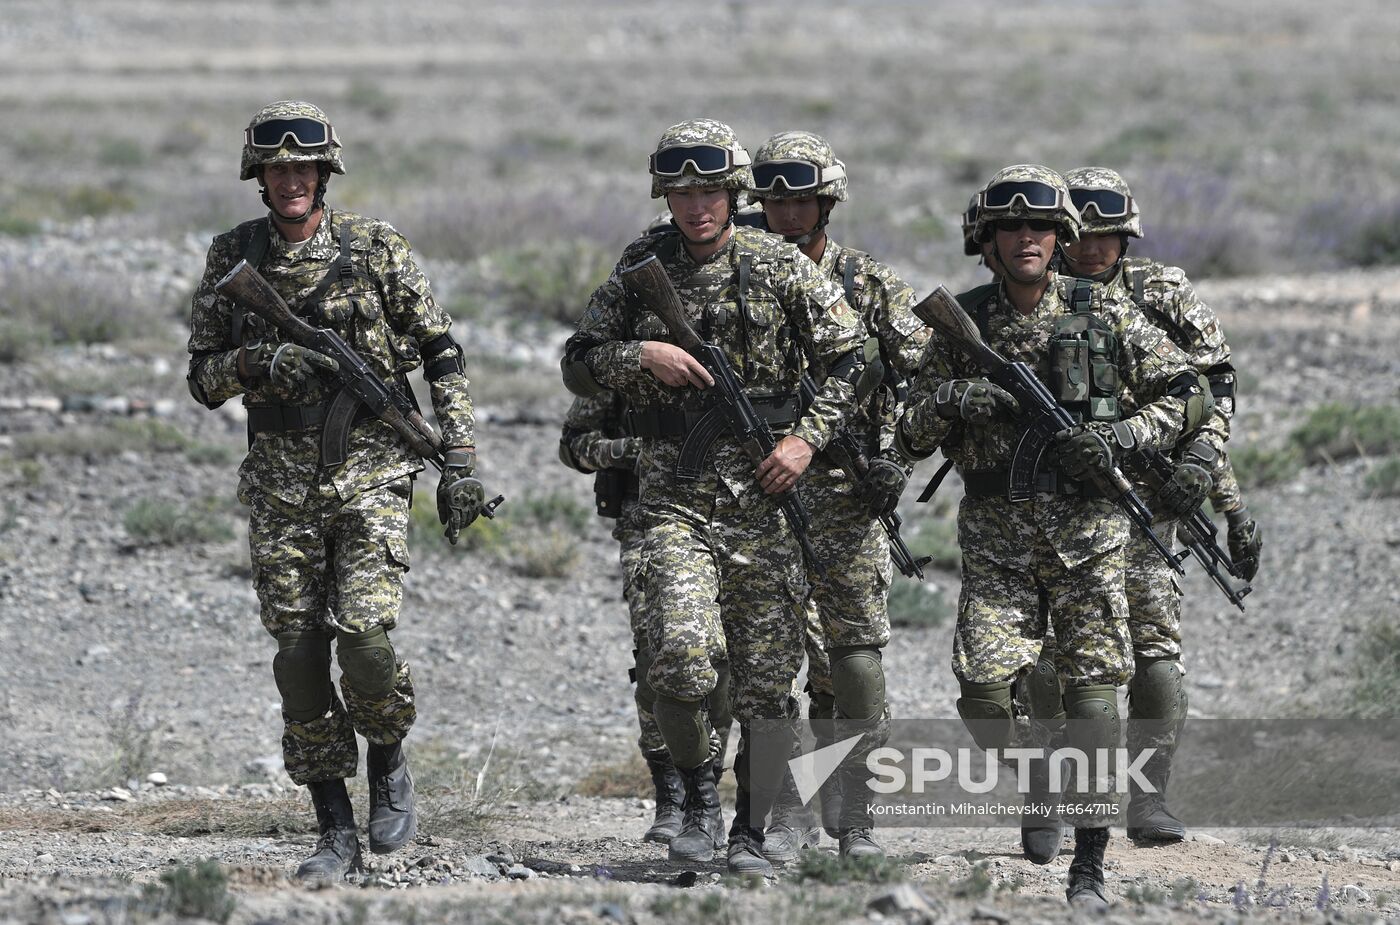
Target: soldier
{"x":718,"y":553}
{"x":799,"y":181}
{"x":329,"y":543}
{"x":594,"y":441}
{"x":1065,"y":544}
{"x":1157,"y":692}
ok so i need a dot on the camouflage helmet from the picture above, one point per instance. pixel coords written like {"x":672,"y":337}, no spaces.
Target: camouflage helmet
{"x":735,"y":175}
{"x":1086,"y":184}
{"x":289,"y":147}
{"x":969,"y":224}
{"x":1009,"y":192}
{"x":803,"y":148}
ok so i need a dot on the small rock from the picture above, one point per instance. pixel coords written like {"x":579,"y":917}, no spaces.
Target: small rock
{"x":118,"y":794}
{"x":44,"y":859}
{"x":612,"y":912}
{"x":520,"y":872}
{"x":1393,"y":866}
{"x":481,"y":866}
{"x":905,"y":899}
{"x":1287,"y":857}
{"x":157,"y":778}
{"x":1207,"y":839}
{"x":991,"y":915}
{"x":76,"y":918}
{"x":1353,"y":893}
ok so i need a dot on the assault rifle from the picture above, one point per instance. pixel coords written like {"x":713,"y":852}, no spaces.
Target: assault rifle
{"x":1042,"y":416}
{"x":358,"y":383}
{"x":649,"y":282}
{"x":1197,"y":532}
{"x":845,"y":450}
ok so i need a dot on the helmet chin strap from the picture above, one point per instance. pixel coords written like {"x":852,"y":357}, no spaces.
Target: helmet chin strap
{"x":802,"y":240}
{"x":318,"y":199}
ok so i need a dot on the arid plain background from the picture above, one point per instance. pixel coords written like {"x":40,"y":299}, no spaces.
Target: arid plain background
{"x":509,"y":143}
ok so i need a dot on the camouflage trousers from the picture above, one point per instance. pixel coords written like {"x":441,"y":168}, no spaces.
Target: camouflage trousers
{"x":1007,"y":563}
{"x":630,"y":537}
{"x":723,"y":581}
{"x":336,"y":566}
{"x":1154,"y":598}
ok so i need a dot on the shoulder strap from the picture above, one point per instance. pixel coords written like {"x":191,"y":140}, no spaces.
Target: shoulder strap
{"x":849,"y":266}
{"x":253,"y":252}
{"x":1137,"y":279}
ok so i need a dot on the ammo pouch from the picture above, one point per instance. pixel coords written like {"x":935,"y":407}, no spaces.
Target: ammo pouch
{"x":611,"y":489}
{"x":994,"y":483}
{"x":1083,"y":369}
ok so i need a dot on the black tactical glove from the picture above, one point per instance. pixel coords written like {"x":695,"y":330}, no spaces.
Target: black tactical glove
{"x":1181,"y":495}
{"x":1245,"y":542}
{"x":1083,"y":452}
{"x":288,"y":366}
{"x":879,"y":491}
{"x":976,"y":401}
{"x":620,"y":452}
{"x":460,"y":497}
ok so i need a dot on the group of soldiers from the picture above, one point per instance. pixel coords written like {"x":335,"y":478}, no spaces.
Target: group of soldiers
{"x":1063,"y":601}
{"x":741,"y":557}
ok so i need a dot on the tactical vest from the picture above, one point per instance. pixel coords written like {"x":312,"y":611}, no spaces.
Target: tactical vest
{"x":1083,"y":353}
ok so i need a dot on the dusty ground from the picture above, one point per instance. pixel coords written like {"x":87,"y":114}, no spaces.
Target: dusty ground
{"x":130,"y":655}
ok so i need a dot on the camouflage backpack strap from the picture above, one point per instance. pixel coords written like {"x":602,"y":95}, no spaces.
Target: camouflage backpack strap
{"x":850,"y":263}
{"x":253,"y":252}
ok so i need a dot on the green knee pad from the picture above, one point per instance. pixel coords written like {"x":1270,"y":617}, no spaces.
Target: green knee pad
{"x":302,"y":670}
{"x":367,"y":664}
{"x":720,"y":706}
{"x":1092,"y":712}
{"x":643,"y":694}
{"x":986,"y":711}
{"x":1043,"y":698}
{"x":858,"y":681}
{"x":1157,"y":690}
{"x":684,"y":729}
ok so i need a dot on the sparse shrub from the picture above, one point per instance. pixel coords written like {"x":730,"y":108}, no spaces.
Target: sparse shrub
{"x":1199,"y":222}
{"x":161,"y":522}
{"x":131,"y":737}
{"x":1373,"y":236}
{"x":461,"y":794}
{"x":936,"y":537}
{"x":551,"y":279}
{"x":976,"y":884}
{"x":914,"y":603}
{"x":198,"y":891}
{"x":119,"y":435}
{"x":1375,"y":687}
{"x":72,"y":307}
{"x":368,"y":95}
{"x":1256,"y":466}
{"x":833,"y":869}
{"x":549,"y":555}
{"x":1337,"y":431}
{"x":23,"y":338}
{"x":1184,"y":890}
{"x":120,"y":152}
{"x":627,"y":778}
{"x":1384,"y":480}
{"x":554,"y":508}
{"x":1143,"y":893}
{"x":98,"y":201}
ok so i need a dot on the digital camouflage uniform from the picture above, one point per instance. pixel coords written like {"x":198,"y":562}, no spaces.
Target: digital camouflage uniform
{"x":719,"y":562}
{"x":1072,"y":546}
{"x":329,"y":547}
{"x":590,"y":427}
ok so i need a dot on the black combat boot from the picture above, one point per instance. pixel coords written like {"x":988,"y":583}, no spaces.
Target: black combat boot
{"x":670,"y":797}
{"x":1086,"y":886}
{"x":392,"y":820}
{"x":1148,"y":816}
{"x":1042,"y":827}
{"x":702,"y":826}
{"x":338,"y":849}
{"x":793,"y":828}
{"x":746,"y":847}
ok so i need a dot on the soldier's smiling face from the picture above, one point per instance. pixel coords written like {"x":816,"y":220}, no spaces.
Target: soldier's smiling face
{"x":792,"y":217}
{"x":291,"y":187}
{"x":700,"y":212}
{"x":1094,"y":253}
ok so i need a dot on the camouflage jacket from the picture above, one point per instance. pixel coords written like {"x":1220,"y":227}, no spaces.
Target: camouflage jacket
{"x":1147,"y":361}
{"x":791,"y":307}
{"x":1169,"y":301}
{"x":590,"y":425}
{"x":886,"y":304}
{"x":385,"y":310}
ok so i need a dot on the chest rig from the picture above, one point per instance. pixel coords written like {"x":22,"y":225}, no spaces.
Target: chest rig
{"x":1082,"y":359}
